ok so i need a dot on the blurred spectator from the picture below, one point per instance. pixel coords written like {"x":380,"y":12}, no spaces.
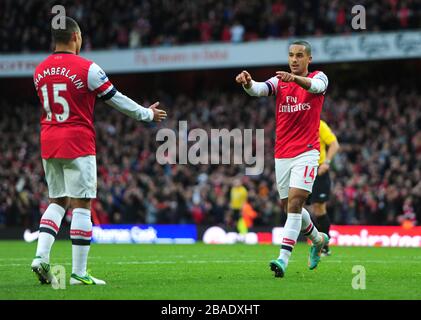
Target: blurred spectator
{"x":105,"y":23}
{"x":134,"y":38}
{"x":226,"y":34}
{"x":237,"y":32}
{"x":248,"y":214}
{"x":377,"y":174}
{"x":408,"y":219}
{"x":238,"y":197}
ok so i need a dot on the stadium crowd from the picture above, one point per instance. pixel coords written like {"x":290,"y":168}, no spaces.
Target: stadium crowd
{"x":376,"y":176}
{"x":143,"y":23}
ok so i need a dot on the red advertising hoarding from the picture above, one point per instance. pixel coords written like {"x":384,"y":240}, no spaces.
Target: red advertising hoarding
{"x":375,"y":236}
{"x":349,"y":235}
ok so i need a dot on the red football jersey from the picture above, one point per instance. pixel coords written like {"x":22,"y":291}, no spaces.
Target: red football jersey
{"x":67,"y":86}
{"x":297,"y":117}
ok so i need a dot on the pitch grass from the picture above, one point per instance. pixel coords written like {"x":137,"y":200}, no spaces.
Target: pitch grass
{"x":210,"y":272}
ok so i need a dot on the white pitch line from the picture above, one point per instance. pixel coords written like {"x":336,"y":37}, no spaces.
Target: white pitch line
{"x":210,"y":262}
{"x":30,"y":259}
{"x":101,"y":257}
{"x":247,"y":261}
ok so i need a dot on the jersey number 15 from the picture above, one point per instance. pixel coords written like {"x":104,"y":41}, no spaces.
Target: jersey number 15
{"x":57,"y":87}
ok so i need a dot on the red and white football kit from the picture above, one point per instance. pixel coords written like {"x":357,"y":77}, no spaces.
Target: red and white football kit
{"x":67,"y":86}
{"x":297,"y":146}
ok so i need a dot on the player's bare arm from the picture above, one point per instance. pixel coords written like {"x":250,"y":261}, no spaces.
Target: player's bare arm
{"x":331,"y":152}
{"x":317,"y":84}
{"x":303,"y":82}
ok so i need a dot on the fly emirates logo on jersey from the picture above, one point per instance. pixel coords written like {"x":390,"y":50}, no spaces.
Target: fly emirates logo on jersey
{"x":59,"y":71}
{"x":292,"y":105}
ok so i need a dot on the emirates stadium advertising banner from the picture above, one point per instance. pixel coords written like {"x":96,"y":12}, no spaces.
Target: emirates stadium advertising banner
{"x":371,"y":236}
{"x":183,"y":234}
{"x":349,"y":235}
{"x":326,"y":49}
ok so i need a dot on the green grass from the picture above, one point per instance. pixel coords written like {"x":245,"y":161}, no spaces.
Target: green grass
{"x":215,"y":272}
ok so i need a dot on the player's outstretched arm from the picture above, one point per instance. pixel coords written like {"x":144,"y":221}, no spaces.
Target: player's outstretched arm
{"x":253,"y":88}
{"x":101,"y":85}
{"x":130,"y":108}
{"x":317,"y":84}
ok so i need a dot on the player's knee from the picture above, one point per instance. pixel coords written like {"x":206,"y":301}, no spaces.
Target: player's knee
{"x":62,"y":202}
{"x":295,"y":204}
{"x":81,"y":203}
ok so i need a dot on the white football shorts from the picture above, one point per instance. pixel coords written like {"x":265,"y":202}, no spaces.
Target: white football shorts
{"x":298,"y":172}
{"x":75,"y":178}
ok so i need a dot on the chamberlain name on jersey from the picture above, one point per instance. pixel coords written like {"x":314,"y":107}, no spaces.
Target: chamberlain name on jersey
{"x":67,"y":86}
{"x":298,"y":112}
{"x":59,"y":71}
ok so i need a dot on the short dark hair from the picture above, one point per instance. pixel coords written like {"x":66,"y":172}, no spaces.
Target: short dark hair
{"x":64,"y":35}
{"x":305,"y":44}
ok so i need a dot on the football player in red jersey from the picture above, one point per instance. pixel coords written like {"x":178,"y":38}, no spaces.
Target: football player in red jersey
{"x":68,"y":85}
{"x":299,"y":100}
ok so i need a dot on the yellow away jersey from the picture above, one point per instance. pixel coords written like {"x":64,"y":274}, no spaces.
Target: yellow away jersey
{"x":326,"y":138}
{"x":238,"y":197}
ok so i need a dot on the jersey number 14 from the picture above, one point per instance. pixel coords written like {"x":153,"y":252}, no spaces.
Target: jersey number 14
{"x":309,"y":174}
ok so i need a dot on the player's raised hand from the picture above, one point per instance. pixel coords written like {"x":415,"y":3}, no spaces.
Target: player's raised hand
{"x":285,"y":76}
{"x":158,"y":114}
{"x":244,"y":78}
